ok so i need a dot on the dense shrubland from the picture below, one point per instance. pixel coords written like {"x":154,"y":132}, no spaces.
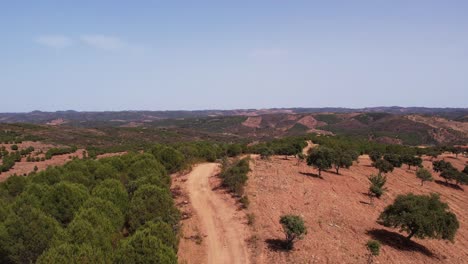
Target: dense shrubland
{"x":114,"y":210}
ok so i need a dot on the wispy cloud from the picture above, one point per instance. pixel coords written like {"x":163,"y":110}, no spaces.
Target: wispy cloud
{"x":54,"y":41}
{"x":268,"y":53}
{"x":104,"y":42}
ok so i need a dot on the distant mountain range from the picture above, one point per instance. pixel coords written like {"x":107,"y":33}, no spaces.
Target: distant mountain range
{"x":59,"y":117}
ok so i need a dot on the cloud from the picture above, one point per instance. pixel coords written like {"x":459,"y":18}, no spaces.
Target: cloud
{"x":54,"y":41}
{"x":268,"y":53}
{"x":104,"y":42}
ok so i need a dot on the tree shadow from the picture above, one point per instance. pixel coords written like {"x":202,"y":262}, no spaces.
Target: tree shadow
{"x":450,"y":185}
{"x":277,"y":245}
{"x":398,"y":242}
{"x":310,"y":174}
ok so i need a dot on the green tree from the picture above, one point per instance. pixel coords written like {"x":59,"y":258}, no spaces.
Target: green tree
{"x":383,"y":166}
{"x":144,"y":247}
{"x":113,"y":191}
{"x":73,"y":254}
{"x":172,"y":159}
{"x":421,"y":216}
{"x":27,"y":233}
{"x":424,"y":175}
{"x":342,"y":159}
{"x":14,"y":147}
{"x":63,"y":200}
{"x":375,"y":156}
{"x":150,"y":203}
{"x":411,"y":161}
{"x":321,"y":158}
{"x":293,"y":227}
{"x":234,"y":150}
{"x":394,"y":159}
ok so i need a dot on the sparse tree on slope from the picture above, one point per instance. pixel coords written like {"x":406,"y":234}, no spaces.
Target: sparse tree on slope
{"x":424,"y":175}
{"x":322,"y":158}
{"x":421,"y":216}
{"x":293,"y":227}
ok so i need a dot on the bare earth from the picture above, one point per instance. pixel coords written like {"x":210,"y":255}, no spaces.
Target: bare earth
{"x":216,"y":232}
{"x":339,"y":217}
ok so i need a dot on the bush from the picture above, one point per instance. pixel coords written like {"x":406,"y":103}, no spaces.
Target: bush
{"x":14,"y":147}
{"x":374,"y":247}
{"x":234,"y":176}
{"x":244,"y":200}
{"x":377,"y":183}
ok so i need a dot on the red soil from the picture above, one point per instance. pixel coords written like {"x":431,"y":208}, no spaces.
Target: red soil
{"x":340,"y":221}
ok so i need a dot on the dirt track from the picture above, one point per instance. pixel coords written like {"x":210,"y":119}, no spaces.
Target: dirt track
{"x":224,"y":236}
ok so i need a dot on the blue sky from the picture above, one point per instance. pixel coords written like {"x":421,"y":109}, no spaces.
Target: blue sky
{"x":166,"y":55}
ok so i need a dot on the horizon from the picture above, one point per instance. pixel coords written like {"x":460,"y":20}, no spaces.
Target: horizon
{"x":109,"y":56}
{"x":240,"y":109}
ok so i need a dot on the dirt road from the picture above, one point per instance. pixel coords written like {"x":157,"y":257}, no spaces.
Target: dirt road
{"x":219,"y":220}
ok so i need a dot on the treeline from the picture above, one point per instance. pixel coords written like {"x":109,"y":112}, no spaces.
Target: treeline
{"x":59,"y":151}
{"x":114,"y":210}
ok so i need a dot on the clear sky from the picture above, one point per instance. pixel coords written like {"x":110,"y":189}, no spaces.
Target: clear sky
{"x":166,"y":55}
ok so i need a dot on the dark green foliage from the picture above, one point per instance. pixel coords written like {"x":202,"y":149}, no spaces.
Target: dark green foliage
{"x":59,"y":151}
{"x":411,"y":160}
{"x":375,"y":156}
{"x":449,"y":173}
{"x":421,"y":216}
{"x":343,"y":159}
{"x":393,"y":159}
{"x":14,"y":147}
{"x":172,"y":159}
{"x":234,"y":176}
{"x":424,"y":175}
{"x":63,"y":200}
{"x":441,"y":165}
{"x":89,"y":227}
{"x":26,"y":234}
{"x":374,"y":247}
{"x":144,"y":247}
{"x":383,"y":166}
{"x":321,"y":158}
{"x":113,"y":191}
{"x":465,"y":170}
{"x":73,"y":254}
{"x":293,"y":227}
{"x":377,"y":183}
{"x":234,"y":150}
{"x":151,"y":203}
{"x":14,"y":185}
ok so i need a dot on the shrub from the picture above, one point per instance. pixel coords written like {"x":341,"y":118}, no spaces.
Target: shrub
{"x":244,"y":200}
{"x":377,"y":183}
{"x":234,"y":176}
{"x":374,"y":247}
{"x":14,"y":147}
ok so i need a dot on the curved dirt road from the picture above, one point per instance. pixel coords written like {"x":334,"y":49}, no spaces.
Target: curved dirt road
{"x":225,"y":239}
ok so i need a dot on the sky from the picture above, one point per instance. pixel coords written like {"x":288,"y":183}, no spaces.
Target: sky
{"x":169,"y":55}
